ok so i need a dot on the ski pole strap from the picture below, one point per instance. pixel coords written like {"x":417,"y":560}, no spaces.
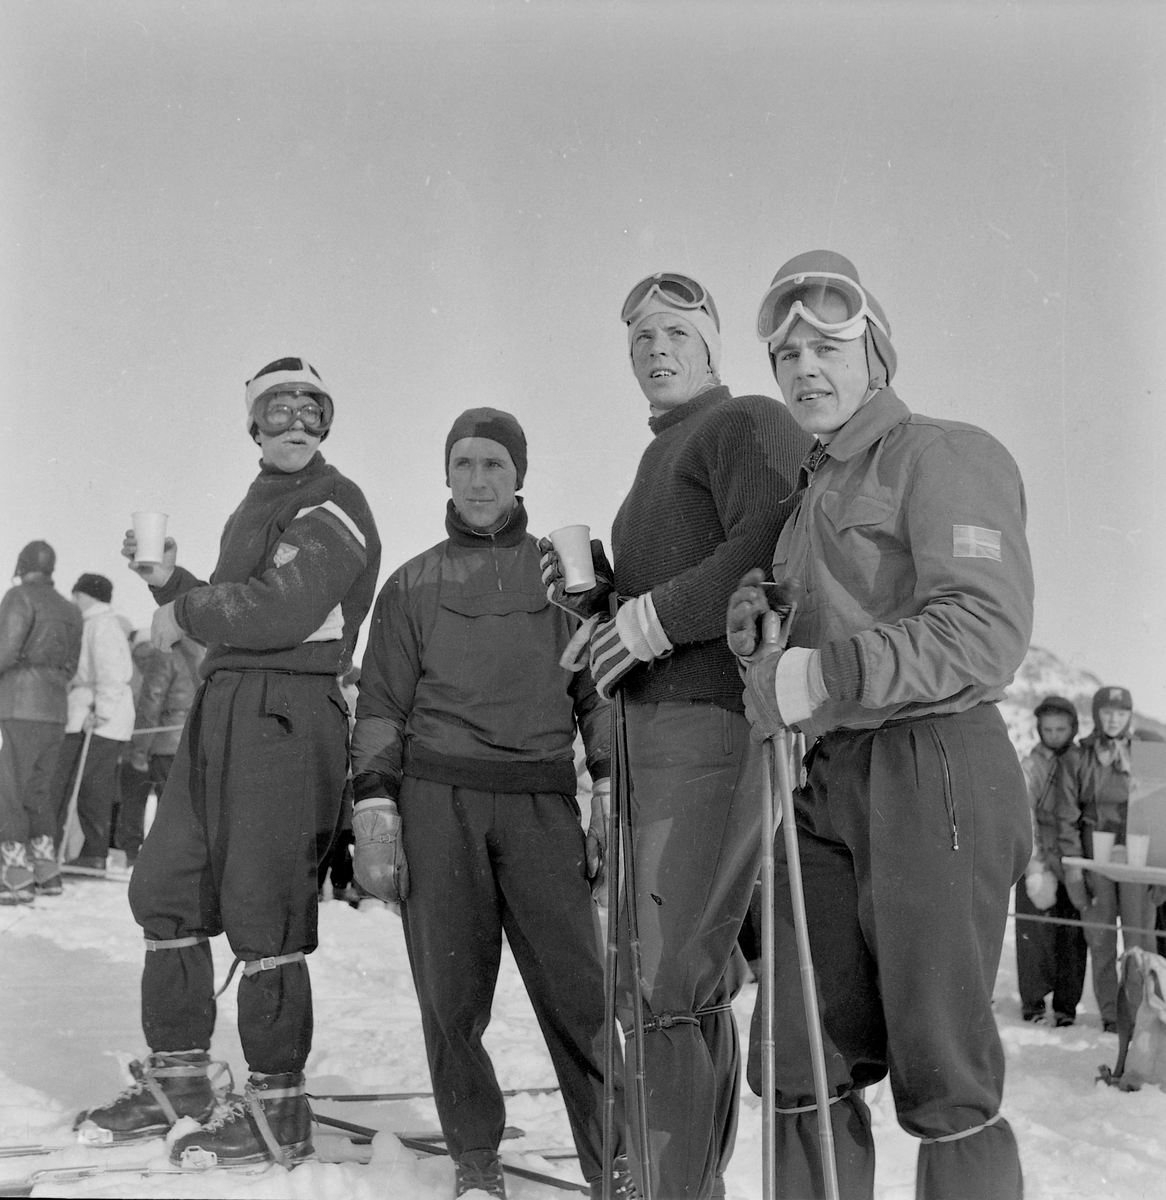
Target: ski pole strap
{"x":789,"y":1112}
{"x":175,"y":943}
{"x":258,"y":964}
{"x":255,"y":1097}
{"x":663,"y":1021}
{"x":963,"y":1133}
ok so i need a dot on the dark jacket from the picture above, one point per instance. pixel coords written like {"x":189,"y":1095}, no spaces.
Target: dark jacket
{"x":40,"y":643}
{"x":1090,"y":795}
{"x":461,"y":682}
{"x":166,"y":695}
{"x":296,"y":575}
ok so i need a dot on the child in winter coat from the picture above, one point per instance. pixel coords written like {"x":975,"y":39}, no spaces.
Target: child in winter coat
{"x":1093,"y":792}
{"x":1049,"y":958}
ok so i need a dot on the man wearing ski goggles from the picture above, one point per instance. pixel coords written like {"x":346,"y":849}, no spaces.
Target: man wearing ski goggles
{"x":909,"y":554}
{"x":275,"y":412}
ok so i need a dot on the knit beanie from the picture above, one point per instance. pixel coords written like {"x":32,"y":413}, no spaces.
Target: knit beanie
{"x":496,"y":425}
{"x":696,"y":317}
{"x":881,"y":359}
{"x":36,"y":556}
{"x":96,"y":586}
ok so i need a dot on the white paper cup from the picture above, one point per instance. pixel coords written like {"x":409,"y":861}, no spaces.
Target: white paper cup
{"x":1102,"y":846}
{"x":572,"y":544}
{"x":1137,"y":848}
{"x":150,"y":534}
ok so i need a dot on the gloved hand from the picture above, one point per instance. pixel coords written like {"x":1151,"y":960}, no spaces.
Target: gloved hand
{"x":140,"y":761}
{"x":747,"y":605}
{"x":1041,"y":885}
{"x":582,"y":604}
{"x":597,"y":839}
{"x":760,"y":697}
{"x":378,"y":856}
{"x":617,"y":647}
{"x":1077,"y":888}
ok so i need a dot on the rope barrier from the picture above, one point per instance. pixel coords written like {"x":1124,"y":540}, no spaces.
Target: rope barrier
{"x":157,"y":729}
{"x":1086,"y":924}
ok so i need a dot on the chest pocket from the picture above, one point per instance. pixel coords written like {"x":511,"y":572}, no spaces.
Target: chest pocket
{"x":864,"y":552}
{"x":493,"y":604}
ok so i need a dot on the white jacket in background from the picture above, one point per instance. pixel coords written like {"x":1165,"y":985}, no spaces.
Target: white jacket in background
{"x":103,"y":678}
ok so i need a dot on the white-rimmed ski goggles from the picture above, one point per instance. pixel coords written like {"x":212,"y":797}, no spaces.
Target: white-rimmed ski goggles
{"x":676,"y":291}
{"x":785,"y":303}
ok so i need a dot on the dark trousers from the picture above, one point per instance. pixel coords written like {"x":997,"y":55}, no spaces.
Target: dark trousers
{"x":483,"y":864}
{"x":258,"y":775}
{"x":695,"y":810}
{"x":1049,"y":958}
{"x":911,"y":837}
{"x":97,"y":793}
{"x":28,"y":760}
{"x":129,"y":823}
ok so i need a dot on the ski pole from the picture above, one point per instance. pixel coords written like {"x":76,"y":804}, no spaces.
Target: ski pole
{"x":768,"y":1098}
{"x":781,"y":755}
{"x":610,"y":972}
{"x":71,"y":810}
{"x":622,"y":768}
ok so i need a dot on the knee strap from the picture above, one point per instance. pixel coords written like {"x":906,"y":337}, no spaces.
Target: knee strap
{"x":176,"y":943}
{"x":259,"y":964}
{"x":963,"y":1133}
{"x":668,"y":1020}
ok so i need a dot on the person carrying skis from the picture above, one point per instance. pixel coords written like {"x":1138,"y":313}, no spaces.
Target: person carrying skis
{"x":40,"y":646}
{"x":1049,"y":958}
{"x":710,"y":496}
{"x":255,"y":787}
{"x":908,"y":563}
{"x":465,"y":802}
{"x":1093,"y":794}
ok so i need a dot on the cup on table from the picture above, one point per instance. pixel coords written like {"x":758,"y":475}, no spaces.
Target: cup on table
{"x":572,"y":544}
{"x":1102,"y":846}
{"x":1137,"y":848}
{"x":150,"y":534}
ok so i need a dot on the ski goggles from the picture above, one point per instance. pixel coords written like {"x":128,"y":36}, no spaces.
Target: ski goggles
{"x":784,"y":304}
{"x":676,"y":291}
{"x":276,"y":412}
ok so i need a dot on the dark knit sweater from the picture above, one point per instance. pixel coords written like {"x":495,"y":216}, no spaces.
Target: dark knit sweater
{"x":711,"y":494}
{"x":296,"y":576}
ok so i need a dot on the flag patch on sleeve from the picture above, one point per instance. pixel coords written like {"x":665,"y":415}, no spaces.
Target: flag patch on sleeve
{"x":970,"y":541}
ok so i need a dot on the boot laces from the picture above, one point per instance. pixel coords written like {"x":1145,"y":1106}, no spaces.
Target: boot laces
{"x":231,"y":1109}
{"x":12,"y":854}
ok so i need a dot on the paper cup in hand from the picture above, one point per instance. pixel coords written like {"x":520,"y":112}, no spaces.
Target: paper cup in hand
{"x":1102,"y":846}
{"x":572,"y":544}
{"x":1137,"y":848}
{"x":150,"y":535}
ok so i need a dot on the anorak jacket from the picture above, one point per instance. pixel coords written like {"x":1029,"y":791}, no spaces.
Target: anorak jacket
{"x":102,"y":682}
{"x":461,"y":682}
{"x":1040,"y":773}
{"x":40,"y":645}
{"x":1090,"y":795}
{"x":909,"y":541}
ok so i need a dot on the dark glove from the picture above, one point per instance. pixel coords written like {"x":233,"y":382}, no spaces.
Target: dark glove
{"x":747,"y":605}
{"x":378,"y":856}
{"x":582,"y":604}
{"x":1077,"y":888}
{"x":597,"y":840}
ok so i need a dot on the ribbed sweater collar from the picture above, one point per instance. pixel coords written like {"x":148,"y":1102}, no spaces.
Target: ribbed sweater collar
{"x":269,"y":475}
{"x":461,"y":534}
{"x":689,"y":408}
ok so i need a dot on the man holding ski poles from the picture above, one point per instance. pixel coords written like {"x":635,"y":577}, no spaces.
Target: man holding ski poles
{"x":464,"y":777}
{"x":908,"y":564}
{"x":710,"y":496}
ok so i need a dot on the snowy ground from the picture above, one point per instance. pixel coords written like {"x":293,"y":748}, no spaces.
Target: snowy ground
{"x":68,"y":992}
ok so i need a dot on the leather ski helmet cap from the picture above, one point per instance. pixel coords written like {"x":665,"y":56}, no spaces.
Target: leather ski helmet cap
{"x":807,"y":275}
{"x":36,"y":558}
{"x":294,"y":374}
{"x":1058,"y":704}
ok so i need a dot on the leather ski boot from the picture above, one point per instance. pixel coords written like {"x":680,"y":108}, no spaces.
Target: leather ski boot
{"x":16,"y":876}
{"x":45,"y":867}
{"x":166,"y":1087}
{"x":270,"y":1122}
{"x":480,"y":1169}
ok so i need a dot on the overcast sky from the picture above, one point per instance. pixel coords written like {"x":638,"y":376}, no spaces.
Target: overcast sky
{"x":443,"y":204}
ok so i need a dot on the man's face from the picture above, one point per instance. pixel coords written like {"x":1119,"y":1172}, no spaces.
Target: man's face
{"x":1055,"y":729}
{"x":670,"y":360}
{"x":483,"y":479}
{"x":1113,"y":721}
{"x":289,"y":451}
{"x":824,"y":380}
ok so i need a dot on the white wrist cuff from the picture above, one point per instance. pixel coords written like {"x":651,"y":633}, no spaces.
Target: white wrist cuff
{"x":799,"y":685}
{"x":641,"y":630}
